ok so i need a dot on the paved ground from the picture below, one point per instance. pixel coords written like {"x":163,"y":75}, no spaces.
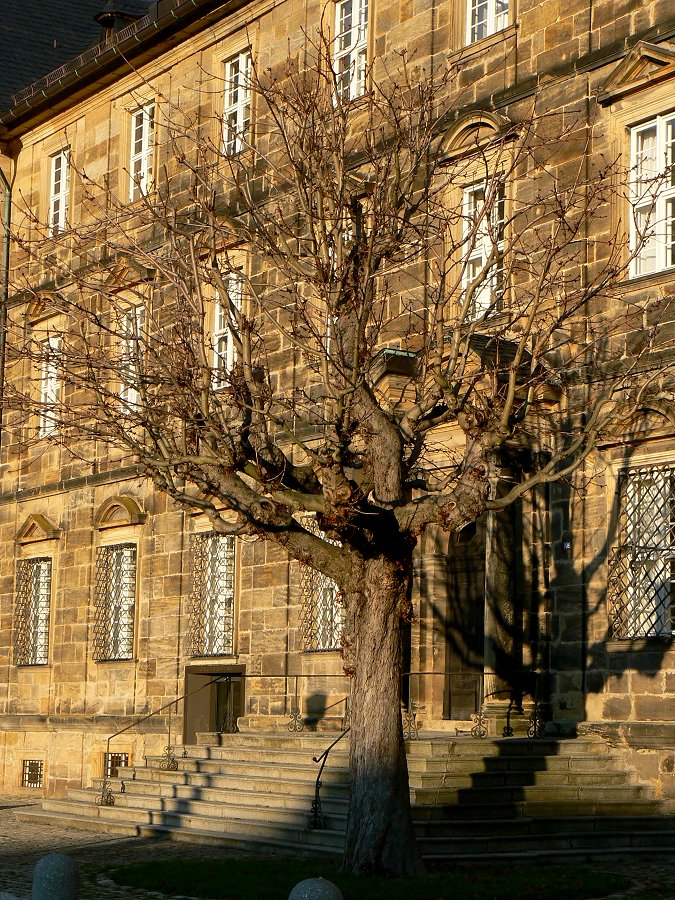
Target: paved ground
{"x":23,"y":843}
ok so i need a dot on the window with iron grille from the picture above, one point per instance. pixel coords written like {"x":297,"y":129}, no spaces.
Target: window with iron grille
{"x":31,"y":611}
{"x":641,"y":595}
{"x":212,"y":596}
{"x":115,"y":602}
{"x":322,"y":615}
{"x":114,"y":761}
{"x":31,"y":773}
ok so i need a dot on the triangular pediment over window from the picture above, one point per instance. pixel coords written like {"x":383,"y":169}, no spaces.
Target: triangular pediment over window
{"x":643,"y":66}
{"x":126,"y":272}
{"x":37,"y":528}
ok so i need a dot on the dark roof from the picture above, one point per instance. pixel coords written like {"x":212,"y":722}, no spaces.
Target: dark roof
{"x":38,"y":36}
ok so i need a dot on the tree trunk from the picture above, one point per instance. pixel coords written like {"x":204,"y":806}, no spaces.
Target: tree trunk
{"x":380,"y":837}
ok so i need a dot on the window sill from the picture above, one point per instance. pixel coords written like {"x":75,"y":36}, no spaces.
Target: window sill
{"x":637,"y":282}
{"x":129,"y":659}
{"x":468,"y":51}
{"x":638,"y":645}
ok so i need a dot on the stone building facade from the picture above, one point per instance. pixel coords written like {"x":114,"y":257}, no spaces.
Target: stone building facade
{"x":113,"y":603}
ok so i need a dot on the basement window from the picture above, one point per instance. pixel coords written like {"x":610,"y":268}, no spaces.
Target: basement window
{"x":31,"y":773}
{"x":114,"y":761}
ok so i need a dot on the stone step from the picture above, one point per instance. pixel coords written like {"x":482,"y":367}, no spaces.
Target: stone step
{"x":153,"y":781}
{"x":330,"y":847}
{"x":269,"y":779}
{"x":437,"y":745}
{"x":468,"y":764}
{"x":491,"y":795}
{"x":225,"y":801}
{"x":300,"y":756}
{"x":539,"y":808}
{"x":296,"y":740}
{"x":155,"y":810}
{"x":485,"y":780}
{"x":429,"y":824}
{"x":123,"y":820}
{"x":489,"y":845}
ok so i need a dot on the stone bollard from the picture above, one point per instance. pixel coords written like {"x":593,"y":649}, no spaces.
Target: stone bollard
{"x":315,"y":889}
{"x":56,"y":877}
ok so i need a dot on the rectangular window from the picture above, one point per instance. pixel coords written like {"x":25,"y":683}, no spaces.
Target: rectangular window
{"x":483,"y":237}
{"x":31,"y":611}
{"x":642,"y":568}
{"x":114,"y":761}
{"x":142,"y":151}
{"x":350,"y":48}
{"x":212,"y":597}
{"x":59,"y":190}
{"x":50,"y":386}
{"x":115,"y":602}
{"x":237,"y":105}
{"x":485,"y":17}
{"x":224,"y":346}
{"x":322,"y":615}
{"x":653,"y":196}
{"x":131,"y":356}
{"x":31,"y":773}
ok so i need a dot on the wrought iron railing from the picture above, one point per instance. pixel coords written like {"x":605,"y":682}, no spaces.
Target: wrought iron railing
{"x":315,"y":818}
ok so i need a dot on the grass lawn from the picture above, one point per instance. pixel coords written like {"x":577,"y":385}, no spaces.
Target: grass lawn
{"x":273,"y":879}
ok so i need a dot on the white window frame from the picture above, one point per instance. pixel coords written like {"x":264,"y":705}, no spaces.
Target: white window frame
{"x":50,"y":383}
{"x":350,"y":48}
{"x":59,"y":190}
{"x":494,"y":17}
{"x":479,"y":248}
{"x":131,"y":355}
{"x":224,"y":347}
{"x":237,"y":102}
{"x":141,"y":150}
{"x":652,"y":197}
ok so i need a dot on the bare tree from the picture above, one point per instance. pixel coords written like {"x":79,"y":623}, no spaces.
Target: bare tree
{"x":405,"y":306}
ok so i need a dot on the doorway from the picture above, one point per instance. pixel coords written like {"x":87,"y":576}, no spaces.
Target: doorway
{"x":214,"y":700}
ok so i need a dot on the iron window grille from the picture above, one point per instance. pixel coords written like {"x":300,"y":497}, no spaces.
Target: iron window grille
{"x":114,"y":761}
{"x":322,"y":614}
{"x":31,"y":611}
{"x":641,"y":594}
{"x":32,"y":773}
{"x":115,"y":602}
{"x":212,"y":595}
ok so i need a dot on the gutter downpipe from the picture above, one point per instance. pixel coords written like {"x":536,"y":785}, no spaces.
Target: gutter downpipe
{"x":4,"y":285}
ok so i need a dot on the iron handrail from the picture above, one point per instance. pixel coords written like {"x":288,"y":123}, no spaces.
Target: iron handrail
{"x":106,"y":798}
{"x":315,"y":818}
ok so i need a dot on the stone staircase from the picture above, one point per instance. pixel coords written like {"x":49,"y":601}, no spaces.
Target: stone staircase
{"x":471,"y":799}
